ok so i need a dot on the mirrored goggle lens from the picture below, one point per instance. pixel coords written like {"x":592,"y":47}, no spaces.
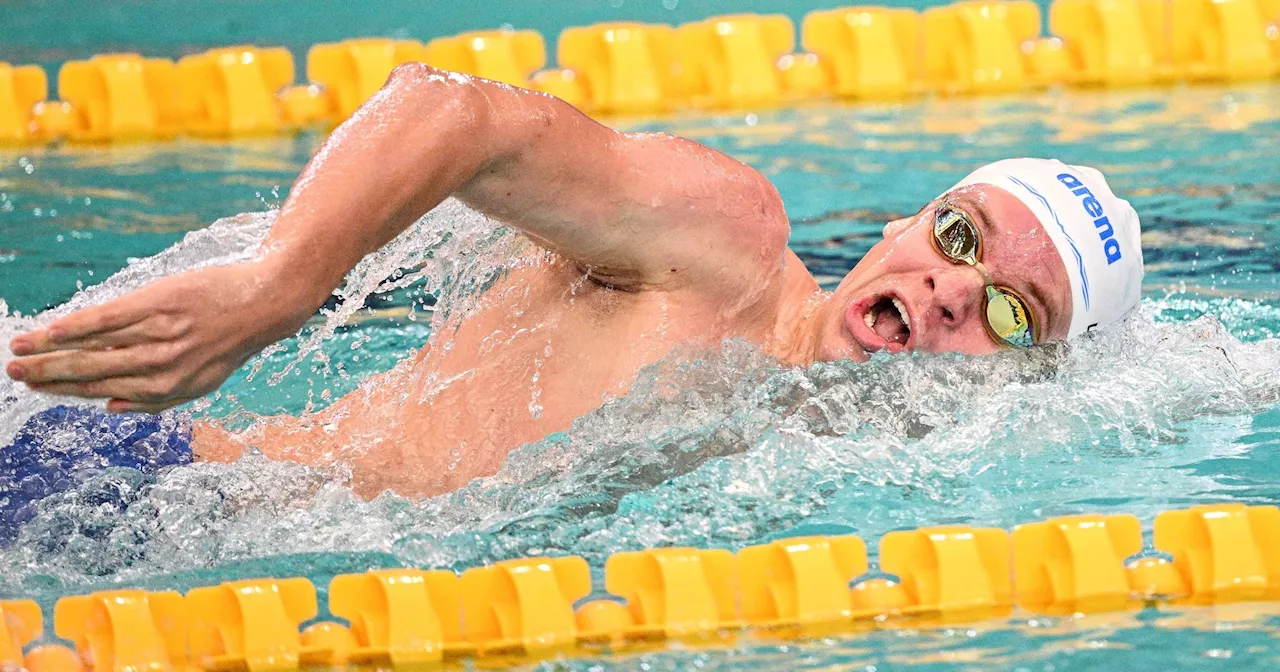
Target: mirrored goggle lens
{"x":956,"y":236}
{"x":1008,"y":318}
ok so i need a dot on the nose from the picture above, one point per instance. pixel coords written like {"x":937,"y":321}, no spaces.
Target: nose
{"x":955,"y":294}
{"x":896,"y":227}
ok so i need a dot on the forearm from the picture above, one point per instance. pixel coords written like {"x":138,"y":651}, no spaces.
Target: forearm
{"x":413,"y":144}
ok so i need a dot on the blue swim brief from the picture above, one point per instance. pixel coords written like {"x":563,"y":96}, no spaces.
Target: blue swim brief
{"x":62,"y":446}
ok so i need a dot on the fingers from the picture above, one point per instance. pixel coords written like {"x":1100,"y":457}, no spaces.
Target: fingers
{"x":37,"y":342}
{"x":87,"y":365}
{"x":109,"y":316}
{"x":126,"y":406}
{"x":31,"y":343}
{"x":82,"y":324}
{"x":139,"y":389}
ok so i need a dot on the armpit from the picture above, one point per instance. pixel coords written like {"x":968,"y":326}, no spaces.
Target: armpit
{"x":614,"y":279}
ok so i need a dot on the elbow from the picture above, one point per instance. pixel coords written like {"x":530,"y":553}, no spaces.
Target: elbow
{"x":502,"y":121}
{"x":439,"y":93}
{"x":416,"y":75}
{"x":411,"y":71}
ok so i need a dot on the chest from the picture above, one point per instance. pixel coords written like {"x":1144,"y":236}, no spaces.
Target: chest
{"x":543,"y":347}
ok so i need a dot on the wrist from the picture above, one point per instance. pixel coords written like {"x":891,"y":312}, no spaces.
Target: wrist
{"x":289,"y":289}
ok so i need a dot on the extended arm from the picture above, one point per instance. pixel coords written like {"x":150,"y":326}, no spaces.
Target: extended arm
{"x":642,"y":210}
{"x":632,"y":206}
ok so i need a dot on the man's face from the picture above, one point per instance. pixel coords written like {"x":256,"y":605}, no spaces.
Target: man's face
{"x":904,"y":295}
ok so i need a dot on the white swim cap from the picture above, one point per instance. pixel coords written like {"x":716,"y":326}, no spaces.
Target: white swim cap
{"x":1096,"y":233}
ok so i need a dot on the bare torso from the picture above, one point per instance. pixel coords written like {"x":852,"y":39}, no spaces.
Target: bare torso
{"x":540,"y":349}
{"x":658,"y":241}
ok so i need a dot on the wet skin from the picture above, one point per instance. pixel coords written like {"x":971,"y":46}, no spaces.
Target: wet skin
{"x":640,"y":243}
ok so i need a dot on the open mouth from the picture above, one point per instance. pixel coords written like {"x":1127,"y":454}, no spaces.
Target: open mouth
{"x":880,"y":323}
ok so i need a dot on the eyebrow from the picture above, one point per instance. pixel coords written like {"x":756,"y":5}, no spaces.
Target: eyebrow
{"x":1032,"y":288}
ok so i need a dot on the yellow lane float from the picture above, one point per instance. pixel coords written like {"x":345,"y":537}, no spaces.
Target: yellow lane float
{"x":507,"y":56}
{"x":232,"y":91}
{"x":727,"y":62}
{"x":869,"y":52}
{"x":626,"y":67}
{"x":21,"y":88}
{"x":952,"y":574}
{"x":121,"y":97}
{"x":976,"y":46}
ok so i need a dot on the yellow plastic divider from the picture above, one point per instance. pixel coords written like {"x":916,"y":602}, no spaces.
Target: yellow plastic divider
{"x":1110,"y":42}
{"x":564,"y":84}
{"x":20,"y":624}
{"x":1071,"y":564}
{"x":20,"y":89}
{"x":523,"y":605}
{"x":232,"y":91}
{"x":125,"y":629}
{"x":507,"y":56}
{"x":304,"y":105}
{"x":400,"y":616}
{"x":1271,"y":16}
{"x":1074,"y":563}
{"x":121,"y":97}
{"x":976,"y":46}
{"x":952,"y":568}
{"x":675,"y":591}
{"x":877,"y":597}
{"x":252,"y":625}
{"x":1220,"y":39}
{"x":800,"y":580}
{"x":1155,"y":578}
{"x":870,"y":52}
{"x":52,"y":120}
{"x":334,"y":638}
{"x":803,"y":76}
{"x":627,"y":67}
{"x":353,"y":70}
{"x":1226,"y":551}
{"x":52,"y":658}
{"x":1047,"y":61}
{"x":742,"y":60}
{"x":735,"y":57}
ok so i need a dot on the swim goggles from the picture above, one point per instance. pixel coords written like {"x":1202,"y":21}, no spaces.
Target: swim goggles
{"x":958,"y":239}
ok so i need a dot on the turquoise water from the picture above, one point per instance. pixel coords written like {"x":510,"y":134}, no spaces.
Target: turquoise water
{"x":1178,"y":407}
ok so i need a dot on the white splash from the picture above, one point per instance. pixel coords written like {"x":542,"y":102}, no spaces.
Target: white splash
{"x":718,"y":449}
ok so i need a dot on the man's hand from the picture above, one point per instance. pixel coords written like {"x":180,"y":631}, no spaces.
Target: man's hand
{"x":164,"y":344}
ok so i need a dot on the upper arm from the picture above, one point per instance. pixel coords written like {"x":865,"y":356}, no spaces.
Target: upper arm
{"x":646,"y":209}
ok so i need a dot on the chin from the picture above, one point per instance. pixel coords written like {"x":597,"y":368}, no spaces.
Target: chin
{"x":835,"y":343}
{"x":846,"y":348}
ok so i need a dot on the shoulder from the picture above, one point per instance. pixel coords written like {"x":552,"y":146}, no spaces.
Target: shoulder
{"x":729,"y":195}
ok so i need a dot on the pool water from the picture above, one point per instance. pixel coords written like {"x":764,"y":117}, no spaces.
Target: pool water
{"x":723,"y":449}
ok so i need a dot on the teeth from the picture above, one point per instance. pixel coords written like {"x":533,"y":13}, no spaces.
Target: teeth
{"x":902,"y":312}
{"x":870,"y":319}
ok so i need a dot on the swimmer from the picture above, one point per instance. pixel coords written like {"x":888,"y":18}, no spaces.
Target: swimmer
{"x":643,"y":242}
